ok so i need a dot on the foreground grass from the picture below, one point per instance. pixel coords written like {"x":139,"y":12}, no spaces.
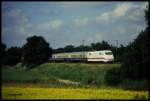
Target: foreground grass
{"x":70,"y":93}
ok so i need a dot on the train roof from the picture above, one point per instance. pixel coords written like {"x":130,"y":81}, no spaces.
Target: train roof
{"x":84,"y":52}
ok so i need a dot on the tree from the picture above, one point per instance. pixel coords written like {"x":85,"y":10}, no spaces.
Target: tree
{"x":94,"y":46}
{"x":105,"y":45}
{"x":100,"y":45}
{"x":112,"y":77}
{"x":79,"y":48}
{"x":69,"y":48}
{"x":36,"y":51}
{"x":147,"y":16}
{"x":12,"y":56}
{"x":136,"y":60}
{"x":3,"y":52}
{"x":87,"y":48}
{"x":50,"y":52}
{"x":59,"y":50}
{"x":120,"y":52}
{"x":3,"y":49}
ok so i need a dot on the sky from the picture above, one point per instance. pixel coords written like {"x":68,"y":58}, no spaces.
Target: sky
{"x":69,"y":23}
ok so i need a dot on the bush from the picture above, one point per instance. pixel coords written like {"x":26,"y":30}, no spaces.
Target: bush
{"x":129,"y":84}
{"x":112,"y":77}
{"x":12,"y":56}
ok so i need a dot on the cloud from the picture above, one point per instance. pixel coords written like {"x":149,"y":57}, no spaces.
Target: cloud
{"x":69,"y":5}
{"x":105,"y":17}
{"x":144,"y":5}
{"x":14,"y":17}
{"x":54,"y":24}
{"x":14,"y":36}
{"x":134,"y":15}
{"x":14,"y":20}
{"x":15,"y":26}
{"x":121,"y":9}
{"x":98,"y":37}
{"x":125,"y":11}
{"x":137,"y":12}
{"x":119,"y":31}
{"x":81,"y":22}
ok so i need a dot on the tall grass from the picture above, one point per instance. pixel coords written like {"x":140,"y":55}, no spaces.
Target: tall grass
{"x":92,"y":74}
{"x":19,"y":75}
{"x":84,"y":73}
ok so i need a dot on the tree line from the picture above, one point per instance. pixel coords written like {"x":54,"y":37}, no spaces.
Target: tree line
{"x":36,"y":45}
{"x":35,"y":52}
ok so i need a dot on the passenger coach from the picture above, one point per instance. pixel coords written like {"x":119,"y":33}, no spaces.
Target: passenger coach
{"x":90,"y":56}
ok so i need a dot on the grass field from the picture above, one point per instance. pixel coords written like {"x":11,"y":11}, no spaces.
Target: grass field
{"x":70,"y":93}
{"x":50,"y":72}
{"x":65,"y":81}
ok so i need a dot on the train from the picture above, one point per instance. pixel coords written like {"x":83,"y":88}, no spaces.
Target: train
{"x":86,"y":56}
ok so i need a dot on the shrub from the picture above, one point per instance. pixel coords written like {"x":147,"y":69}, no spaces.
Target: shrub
{"x":112,"y":77}
{"x":130,"y":84}
{"x":12,"y":56}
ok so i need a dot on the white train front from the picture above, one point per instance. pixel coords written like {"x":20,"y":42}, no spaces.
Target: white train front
{"x":88,"y":56}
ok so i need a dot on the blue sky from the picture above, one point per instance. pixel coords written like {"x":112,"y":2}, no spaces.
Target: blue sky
{"x":68,"y":23}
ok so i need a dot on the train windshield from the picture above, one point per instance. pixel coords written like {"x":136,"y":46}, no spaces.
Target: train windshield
{"x":108,"y":53}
